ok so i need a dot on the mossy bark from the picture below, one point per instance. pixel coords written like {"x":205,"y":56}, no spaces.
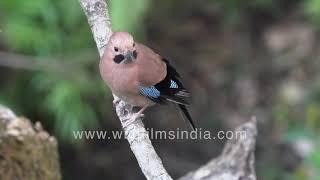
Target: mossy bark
{"x":27,"y":152}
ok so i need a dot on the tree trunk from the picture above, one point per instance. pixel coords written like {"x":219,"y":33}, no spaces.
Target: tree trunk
{"x":27,"y":152}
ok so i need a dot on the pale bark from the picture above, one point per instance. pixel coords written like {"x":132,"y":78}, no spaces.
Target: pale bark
{"x":236,"y":161}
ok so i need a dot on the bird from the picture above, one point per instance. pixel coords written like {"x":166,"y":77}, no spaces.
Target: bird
{"x":141,"y":77}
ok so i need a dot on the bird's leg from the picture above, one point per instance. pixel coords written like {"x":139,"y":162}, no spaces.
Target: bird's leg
{"x":135,"y":116}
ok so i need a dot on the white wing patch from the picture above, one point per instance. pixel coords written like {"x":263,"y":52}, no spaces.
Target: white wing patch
{"x":173,"y":84}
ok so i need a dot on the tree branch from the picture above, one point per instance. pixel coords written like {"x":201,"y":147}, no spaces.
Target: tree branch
{"x":99,"y":21}
{"x":137,"y":136}
{"x":236,"y":161}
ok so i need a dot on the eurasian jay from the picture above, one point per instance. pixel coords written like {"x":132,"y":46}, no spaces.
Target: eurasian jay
{"x":141,"y":77}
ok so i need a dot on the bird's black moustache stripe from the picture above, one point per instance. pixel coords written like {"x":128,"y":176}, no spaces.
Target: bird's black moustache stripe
{"x":118,"y":58}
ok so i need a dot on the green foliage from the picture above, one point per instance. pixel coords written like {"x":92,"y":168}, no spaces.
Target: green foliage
{"x":70,"y":110}
{"x":234,"y":10}
{"x":310,"y":166}
{"x":313,"y":117}
{"x":315,"y":159}
{"x":42,"y":27}
{"x":302,"y":122}
{"x":55,"y":28}
{"x":128,"y":15}
{"x":312,"y":9}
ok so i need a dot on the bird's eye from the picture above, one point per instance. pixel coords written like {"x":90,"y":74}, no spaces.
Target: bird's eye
{"x":134,"y":44}
{"x":116,"y":49}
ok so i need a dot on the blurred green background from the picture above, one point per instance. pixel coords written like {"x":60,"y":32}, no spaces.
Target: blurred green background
{"x":238,"y":58}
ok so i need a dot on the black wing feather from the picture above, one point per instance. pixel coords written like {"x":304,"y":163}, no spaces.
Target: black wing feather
{"x":178,"y":94}
{"x":172,"y":89}
{"x":185,"y":111}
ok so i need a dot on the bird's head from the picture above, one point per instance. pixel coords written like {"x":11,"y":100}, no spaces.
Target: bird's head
{"x":122,"y":48}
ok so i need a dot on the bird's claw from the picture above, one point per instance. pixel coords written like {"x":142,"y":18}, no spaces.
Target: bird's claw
{"x":116,"y":101}
{"x":133,"y":119}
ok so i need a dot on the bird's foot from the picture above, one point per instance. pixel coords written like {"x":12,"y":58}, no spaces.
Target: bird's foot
{"x":133,"y":119}
{"x":116,"y":101}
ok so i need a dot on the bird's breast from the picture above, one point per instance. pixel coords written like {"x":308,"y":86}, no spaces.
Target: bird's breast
{"x":123,"y":82}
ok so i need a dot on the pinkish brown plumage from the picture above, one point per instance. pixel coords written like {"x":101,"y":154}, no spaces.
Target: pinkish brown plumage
{"x":139,"y":76}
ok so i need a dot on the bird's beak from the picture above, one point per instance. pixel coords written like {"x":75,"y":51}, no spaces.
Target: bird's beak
{"x":129,"y":56}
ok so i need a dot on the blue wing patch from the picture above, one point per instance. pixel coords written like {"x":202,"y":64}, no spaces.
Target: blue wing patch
{"x":149,"y":91}
{"x":173,"y":84}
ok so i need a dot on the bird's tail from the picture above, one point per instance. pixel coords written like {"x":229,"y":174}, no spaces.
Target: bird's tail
{"x":186,"y":113}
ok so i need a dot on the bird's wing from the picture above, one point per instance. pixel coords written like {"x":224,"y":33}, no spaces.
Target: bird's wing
{"x":168,"y":89}
{"x":150,"y":66}
{"x":160,"y":82}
